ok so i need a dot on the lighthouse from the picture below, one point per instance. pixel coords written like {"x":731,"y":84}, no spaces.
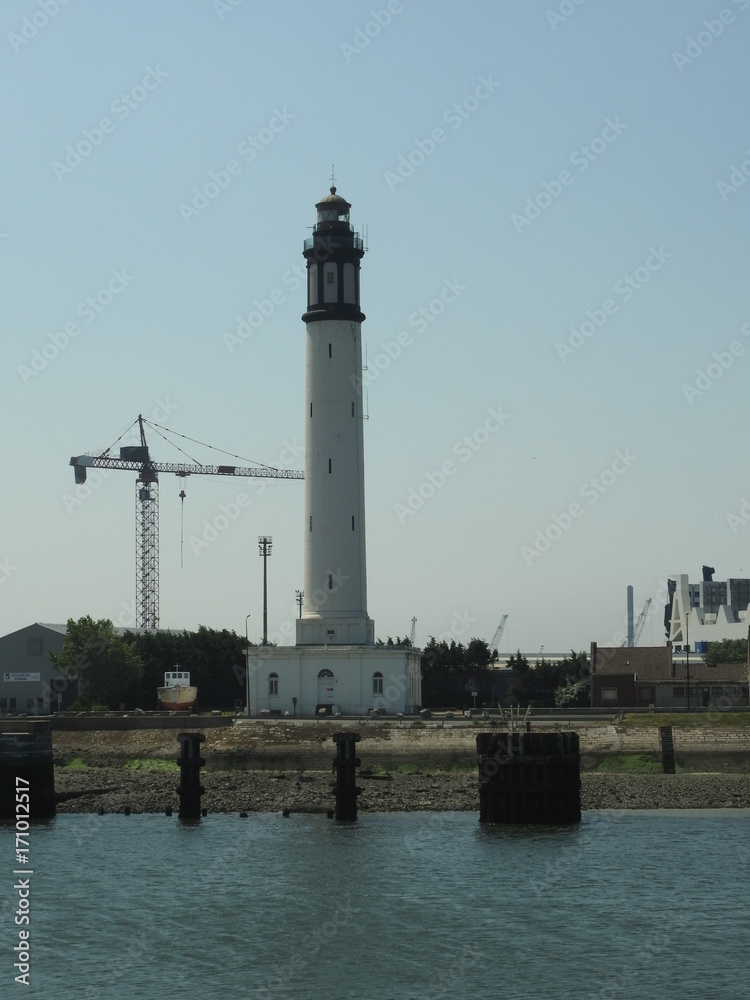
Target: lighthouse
{"x":336,"y":665}
{"x":335,"y":594}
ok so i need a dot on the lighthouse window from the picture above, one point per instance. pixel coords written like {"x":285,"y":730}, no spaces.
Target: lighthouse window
{"x":329,"y":465}
{"x":352,"y":409}
{"x":273,"y":683}
{"x":352,"y":522}
{"x":349,"y":292}
{"x":330,"y":290}
{"x":330,"y":581}
{"x":330,"y":353}
{"x":310,"y":409}
{"x":311,"y":522}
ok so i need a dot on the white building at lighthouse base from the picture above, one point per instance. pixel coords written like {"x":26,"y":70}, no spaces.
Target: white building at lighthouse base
{"x":351,"y":680}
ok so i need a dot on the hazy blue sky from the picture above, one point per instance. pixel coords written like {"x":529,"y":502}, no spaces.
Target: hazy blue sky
{"x":568,"y":177}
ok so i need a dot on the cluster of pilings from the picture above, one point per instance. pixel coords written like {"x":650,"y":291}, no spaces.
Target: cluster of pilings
{"x":524,"y":777}
{"x":529,"y":777}
{"x":26,"y":767}
{"x":345,"y":764}
{"x":190,"y":788}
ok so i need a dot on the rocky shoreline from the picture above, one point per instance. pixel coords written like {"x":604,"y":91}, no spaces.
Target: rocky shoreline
{"x":269,"y":767}
{"x":115,"y":789}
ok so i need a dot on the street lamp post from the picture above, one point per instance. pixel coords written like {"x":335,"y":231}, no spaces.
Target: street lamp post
{"x":687,"y":661}
{"x":265,"y":542}
{"x":247,"y":669}
{"x":299,"y":596}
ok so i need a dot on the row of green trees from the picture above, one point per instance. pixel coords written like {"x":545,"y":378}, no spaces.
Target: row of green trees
{"x":452,"y":674}
{"x":114,"y":669}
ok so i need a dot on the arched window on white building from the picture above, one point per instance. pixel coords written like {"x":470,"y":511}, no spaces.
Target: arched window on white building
{"x":377,"y":683}
{"x":273,"y":684}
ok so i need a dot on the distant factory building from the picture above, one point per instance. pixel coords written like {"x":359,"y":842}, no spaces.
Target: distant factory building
{"x":29,"y":684}
{"x":708,"y":611}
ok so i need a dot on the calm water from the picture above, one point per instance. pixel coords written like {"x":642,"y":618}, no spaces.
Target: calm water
{"x":631,"y":905}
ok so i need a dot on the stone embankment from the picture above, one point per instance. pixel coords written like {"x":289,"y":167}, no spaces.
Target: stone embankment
{"x":271,"y":766}
{"x":259,"y":744}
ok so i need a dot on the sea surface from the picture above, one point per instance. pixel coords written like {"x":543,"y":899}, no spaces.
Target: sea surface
{"x":413,"y":906}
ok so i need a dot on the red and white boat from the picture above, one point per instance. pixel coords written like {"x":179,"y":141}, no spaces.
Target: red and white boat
{"x":178,"y":694}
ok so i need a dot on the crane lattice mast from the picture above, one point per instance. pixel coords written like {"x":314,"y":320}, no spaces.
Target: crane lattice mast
{"x":136,"y":458}
{"x":641,"y":621}
{"x":496,"y":637}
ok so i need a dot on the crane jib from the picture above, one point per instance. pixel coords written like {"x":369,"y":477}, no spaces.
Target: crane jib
{"x":81,"y":462}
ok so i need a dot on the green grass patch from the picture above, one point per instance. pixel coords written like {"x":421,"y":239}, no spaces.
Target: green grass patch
{"x":701,"y":720}
{"x":76,"y":764}
{"x":151,"y":764}
{"x":629,"y":763}
{"x":457,"y":767}
{"x":407,"y":769}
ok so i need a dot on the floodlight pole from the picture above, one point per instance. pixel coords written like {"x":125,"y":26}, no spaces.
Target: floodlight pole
{"x":247,"y":669}
{"x":687,"y":660}
{"x":265,"y":542}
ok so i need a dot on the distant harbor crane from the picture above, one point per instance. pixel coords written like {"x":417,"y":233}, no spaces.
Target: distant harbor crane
{"x":136,"y":458}
{"x":497,"y":635}
{"x":641,"y":621}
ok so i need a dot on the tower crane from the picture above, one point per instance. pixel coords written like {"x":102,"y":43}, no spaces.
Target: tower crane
{"x":413,"y":633}
{"x":136,"y":458}
{"x":498,"y":633}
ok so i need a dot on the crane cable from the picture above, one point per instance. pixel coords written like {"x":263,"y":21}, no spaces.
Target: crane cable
{"x":183,"y":494}
{"x":221,"y":451}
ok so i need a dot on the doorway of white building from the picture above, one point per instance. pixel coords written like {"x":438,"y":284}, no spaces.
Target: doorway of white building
{"x":326,"y":690}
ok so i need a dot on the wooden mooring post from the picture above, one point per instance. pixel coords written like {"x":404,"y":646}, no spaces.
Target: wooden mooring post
{"x":27,"y":776}
{"x":529,"y":777}
{"x":345,"y":764}
{"x":191,"y":762}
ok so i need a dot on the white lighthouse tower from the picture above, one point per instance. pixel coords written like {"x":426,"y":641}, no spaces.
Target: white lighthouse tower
{"x":336,"y":665}
{"x":335,"y":602}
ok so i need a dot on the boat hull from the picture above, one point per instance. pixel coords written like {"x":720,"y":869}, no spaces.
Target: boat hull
{"x":177,"y":699}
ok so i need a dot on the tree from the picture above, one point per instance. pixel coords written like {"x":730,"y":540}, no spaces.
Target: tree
{"x":547,"y":678}
{"x":451,"y":672}
{"x":478,"y":654}
{"x":574,"y":694}
{"x":726,"y":651}
{"x":107,"y":667}
{"x":520,"y":666}
{"x":214,"y":659}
